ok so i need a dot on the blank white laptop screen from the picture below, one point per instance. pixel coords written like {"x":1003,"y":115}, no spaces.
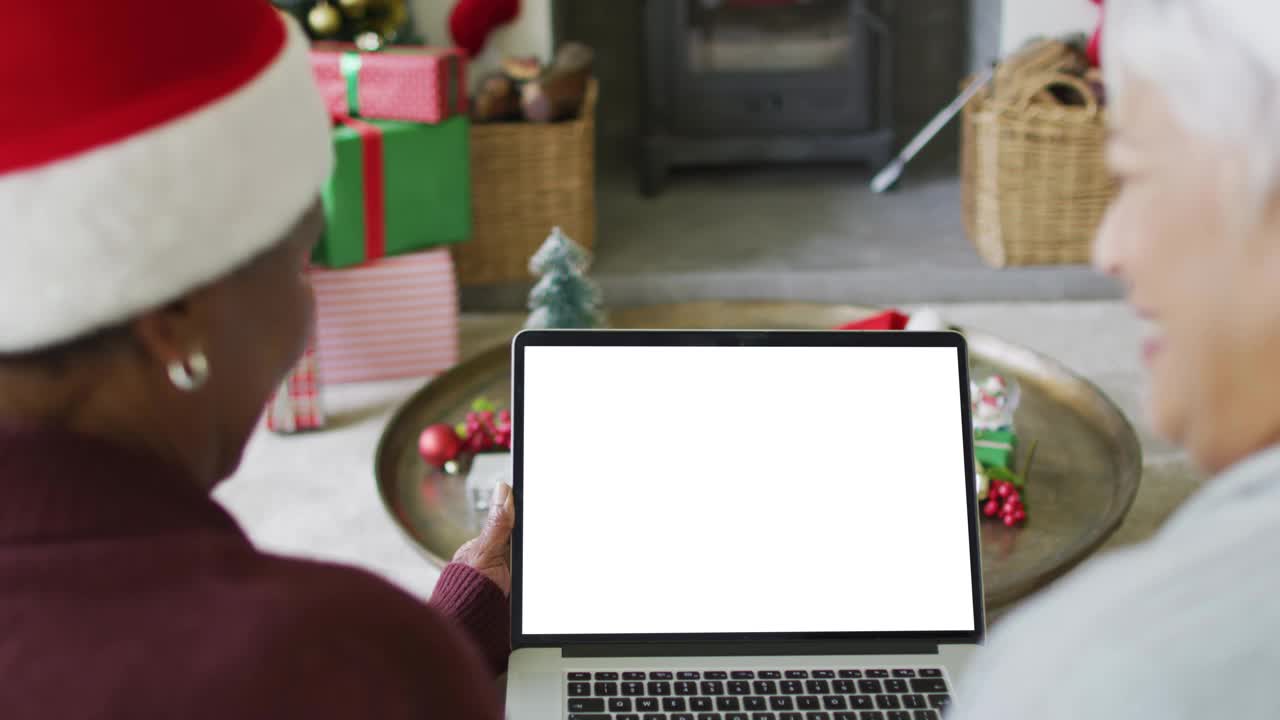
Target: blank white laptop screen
{"x":744,"y":490}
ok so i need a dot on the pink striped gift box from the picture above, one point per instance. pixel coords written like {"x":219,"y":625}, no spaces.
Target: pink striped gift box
{"x":391,"y":318}
{"x":296,"y":406}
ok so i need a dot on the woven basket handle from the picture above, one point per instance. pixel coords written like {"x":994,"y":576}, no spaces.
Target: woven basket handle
{"x":588,"y":111}
{"x":1041,"y":84}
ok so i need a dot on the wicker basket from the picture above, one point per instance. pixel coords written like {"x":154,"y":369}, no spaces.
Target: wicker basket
{"x":527,"y":178}
{"x":1033,"y":180}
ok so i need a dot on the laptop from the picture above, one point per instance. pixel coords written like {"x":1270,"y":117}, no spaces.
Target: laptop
{"x":728,"y":525}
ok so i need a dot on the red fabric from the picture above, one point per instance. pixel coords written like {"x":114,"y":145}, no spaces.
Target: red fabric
{"x":375,"y":195}
{"x":472,"y":21}
{"x":78,"y":75}
{"x":477,"y":606}
{"x":410,"y":83}
{"x":887,"y":320}
{"x":128,"y":592}
{"x":1094,"y":50}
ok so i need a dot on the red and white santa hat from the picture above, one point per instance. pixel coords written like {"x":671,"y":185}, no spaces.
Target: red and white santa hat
{"x":144,"y":152}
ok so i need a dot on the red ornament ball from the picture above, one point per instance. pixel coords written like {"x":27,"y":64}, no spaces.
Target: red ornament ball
{"x":438,"y":444}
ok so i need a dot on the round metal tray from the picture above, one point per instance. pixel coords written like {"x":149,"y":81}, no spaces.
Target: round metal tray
{"x":1086,"y":474}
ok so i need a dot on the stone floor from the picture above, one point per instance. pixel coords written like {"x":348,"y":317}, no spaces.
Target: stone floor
{"x":314,"y":495}
{"x":814,"y":233}
{"x":784,"y":234}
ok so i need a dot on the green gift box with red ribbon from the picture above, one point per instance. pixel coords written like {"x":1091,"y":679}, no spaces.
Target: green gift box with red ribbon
{"x":397,"y":187}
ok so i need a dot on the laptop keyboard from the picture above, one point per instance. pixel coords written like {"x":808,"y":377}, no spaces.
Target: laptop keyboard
{"x":836,"y":694}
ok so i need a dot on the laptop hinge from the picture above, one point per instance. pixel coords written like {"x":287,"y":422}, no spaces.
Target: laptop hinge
{"x":659,"y":649}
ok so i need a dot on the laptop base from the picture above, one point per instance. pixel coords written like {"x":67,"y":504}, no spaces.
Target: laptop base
{"x":843,"y":647}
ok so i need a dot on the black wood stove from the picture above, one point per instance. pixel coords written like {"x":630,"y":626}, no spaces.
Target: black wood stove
{"x":761,"y":81}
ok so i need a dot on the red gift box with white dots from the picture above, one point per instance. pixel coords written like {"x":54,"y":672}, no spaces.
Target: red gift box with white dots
{"x":404,"y":82}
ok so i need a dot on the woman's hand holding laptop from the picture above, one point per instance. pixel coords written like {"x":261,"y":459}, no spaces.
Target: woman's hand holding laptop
{"x":488,"y":552}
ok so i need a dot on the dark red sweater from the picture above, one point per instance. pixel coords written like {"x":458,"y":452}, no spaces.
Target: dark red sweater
{"x":127,"y":592}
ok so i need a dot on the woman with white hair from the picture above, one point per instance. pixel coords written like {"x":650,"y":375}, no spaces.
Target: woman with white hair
{"x":1186,"y":625}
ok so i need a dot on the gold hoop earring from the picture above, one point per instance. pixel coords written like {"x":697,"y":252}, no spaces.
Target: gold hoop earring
{"x":190,"y":375}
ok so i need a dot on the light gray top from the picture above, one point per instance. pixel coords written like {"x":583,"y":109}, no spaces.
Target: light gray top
{"x":1186,"y":625}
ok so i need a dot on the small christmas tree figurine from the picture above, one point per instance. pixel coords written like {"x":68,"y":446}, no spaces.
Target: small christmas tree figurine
{"x":564,"y":297}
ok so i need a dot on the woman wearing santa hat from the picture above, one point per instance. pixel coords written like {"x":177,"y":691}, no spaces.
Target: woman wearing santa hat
{"x":1184,"y":625}
{"x":158,"y":204}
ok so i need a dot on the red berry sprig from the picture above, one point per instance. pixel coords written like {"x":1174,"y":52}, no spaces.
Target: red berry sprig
{"x":1004,"y":502}
{"x":502,"y":433}
{"x":484,"y":431}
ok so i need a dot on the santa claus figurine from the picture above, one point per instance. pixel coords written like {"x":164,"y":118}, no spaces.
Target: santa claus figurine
{"x":994,"y":399}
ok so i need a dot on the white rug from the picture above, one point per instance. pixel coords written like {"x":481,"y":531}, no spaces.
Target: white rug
{"x":314,"y":495}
